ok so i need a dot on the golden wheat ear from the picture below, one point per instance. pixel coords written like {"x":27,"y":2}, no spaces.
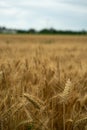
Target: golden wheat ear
{"x":23,"y":123}
{"x":36,"y":102}
{"x":66,"y":92}
{"x":64,"y":96}
{"x":82,"y":121}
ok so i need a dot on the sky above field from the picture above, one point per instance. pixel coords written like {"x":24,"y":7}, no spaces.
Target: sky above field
{"x":38,"y":14}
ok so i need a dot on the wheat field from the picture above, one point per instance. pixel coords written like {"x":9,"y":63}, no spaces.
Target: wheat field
{"x":43,"y":82}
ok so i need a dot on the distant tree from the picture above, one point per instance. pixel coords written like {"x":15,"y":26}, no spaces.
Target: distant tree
{"x":44,"y":31}
{"x":32,"y":31}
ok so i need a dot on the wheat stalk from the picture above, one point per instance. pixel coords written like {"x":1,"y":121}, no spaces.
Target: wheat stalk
{"x":1,"y":76}
{"x":64,"y":97}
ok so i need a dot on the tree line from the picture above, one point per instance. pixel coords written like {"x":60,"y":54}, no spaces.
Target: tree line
{"x":42,"y":31}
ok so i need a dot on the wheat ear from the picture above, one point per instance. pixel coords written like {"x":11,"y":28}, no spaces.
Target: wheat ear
{"x":36,"y":102}
{"x":81,"y":121}
{"x":66,"y":92}
{"x":23,"y":123}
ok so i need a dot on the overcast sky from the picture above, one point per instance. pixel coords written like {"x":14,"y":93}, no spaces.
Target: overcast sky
{"x":38,"y":14}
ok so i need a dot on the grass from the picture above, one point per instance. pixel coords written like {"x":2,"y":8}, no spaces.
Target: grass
{"x":43,"y":86}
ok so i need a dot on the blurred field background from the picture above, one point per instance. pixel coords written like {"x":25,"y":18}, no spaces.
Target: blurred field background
{"x":43,"y":82}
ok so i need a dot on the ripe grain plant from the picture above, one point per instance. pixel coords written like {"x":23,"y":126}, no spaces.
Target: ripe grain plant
{"x":43,"y":82}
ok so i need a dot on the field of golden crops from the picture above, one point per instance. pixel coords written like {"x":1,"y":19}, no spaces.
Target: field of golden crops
{"x":43,"y":82}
